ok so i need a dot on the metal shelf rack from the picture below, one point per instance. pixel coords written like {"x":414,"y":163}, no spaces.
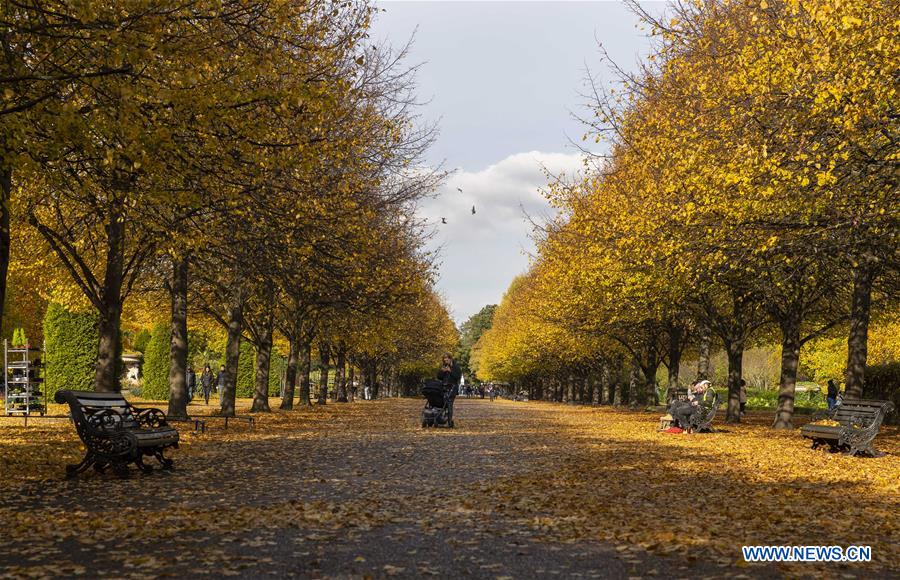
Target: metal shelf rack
{"x":22,"y":381}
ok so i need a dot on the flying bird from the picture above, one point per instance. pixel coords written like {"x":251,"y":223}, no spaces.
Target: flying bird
{"x":473,"y":210}
{"x":444,"y":221}
{"x":459,"y":189}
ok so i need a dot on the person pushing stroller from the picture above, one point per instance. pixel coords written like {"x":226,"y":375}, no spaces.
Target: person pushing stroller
{"x":441,"y":393}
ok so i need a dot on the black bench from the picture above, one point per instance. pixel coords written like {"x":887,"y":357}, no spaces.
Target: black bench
{"x":116,"y":433}
{"x":678,"y":394}
{"x":705,"y":412}
{"x":858,"y":423}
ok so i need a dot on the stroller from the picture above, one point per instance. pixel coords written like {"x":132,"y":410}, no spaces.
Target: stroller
{"x":438,"y":411}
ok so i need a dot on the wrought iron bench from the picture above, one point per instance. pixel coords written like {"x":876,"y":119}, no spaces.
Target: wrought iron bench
{"x":116,"y":433}
{"x":858,"y":423}
{"x":676,"y":394}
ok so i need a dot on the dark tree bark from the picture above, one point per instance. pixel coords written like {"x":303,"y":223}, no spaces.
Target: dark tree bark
{"x":290,"y":376}
{"x":634,"y":385}
{"x":790,"y":359}
{"x":232,"y":355}
{"x":351,"y":378}
{"x":340,"y":386}
{"x":305,"y":368}
{"x":178,"y":347}
{"x":651,"y":389}
{"x":676,"y":344}
{"x":858,"y":339}
{"x":324,"y":355}
{"x":703,"y":353}
{"x":5,"y":195}
{"x":263,"y":359}
{"x":106,"y":378}
{"x":604,"y":385}
{"x":735,"y":350}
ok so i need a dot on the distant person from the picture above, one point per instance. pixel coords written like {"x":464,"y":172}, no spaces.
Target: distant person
{"x":190,"y":382}
{"x":450,"y":373}
{"x":743,"y":396}
{"x":833,"y":392}
{"x":206,"y":383}
{"x":220,"y":382}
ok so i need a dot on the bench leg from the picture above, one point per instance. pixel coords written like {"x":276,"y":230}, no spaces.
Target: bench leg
{"x":88,"y":461}
{"x":143,"y":466}
{"x":163,"y":460}
{"x":121,"y":470}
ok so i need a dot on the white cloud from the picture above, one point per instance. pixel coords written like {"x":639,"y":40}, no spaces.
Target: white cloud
{"x":481,"y":253}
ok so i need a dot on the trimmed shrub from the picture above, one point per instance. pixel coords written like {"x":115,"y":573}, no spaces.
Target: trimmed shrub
{"x":277,"y":364}
{"x":883,"y":383}
{"x":156,"y":364}
{"x":246,"y":375}
{"x":141,"y":339}
{"x":70,"y":343}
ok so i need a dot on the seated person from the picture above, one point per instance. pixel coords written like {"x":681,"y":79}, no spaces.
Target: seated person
{"x":681,"y":411}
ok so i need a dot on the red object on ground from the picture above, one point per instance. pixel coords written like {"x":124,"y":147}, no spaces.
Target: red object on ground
{"x":674,"y":430}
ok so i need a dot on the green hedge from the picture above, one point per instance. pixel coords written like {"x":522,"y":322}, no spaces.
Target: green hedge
{"x":246,"y":375}
{"x":156,"y":364}
{"x":883,"y":383}
{"x":70,"y":343}
{"x":277,"y":363}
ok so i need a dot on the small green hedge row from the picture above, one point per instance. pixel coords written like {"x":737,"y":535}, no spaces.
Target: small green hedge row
{"x":156,"y":364}
{"x":70,"y":344}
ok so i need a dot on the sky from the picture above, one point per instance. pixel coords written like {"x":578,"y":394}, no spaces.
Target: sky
{"x":502,"y":80}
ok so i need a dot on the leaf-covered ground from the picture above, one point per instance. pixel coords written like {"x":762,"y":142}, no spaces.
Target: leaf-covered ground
{"x":518,"y":490}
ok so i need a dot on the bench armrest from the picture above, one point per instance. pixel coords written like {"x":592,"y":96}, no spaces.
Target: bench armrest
{"x":150,"y":418}
{"x":104,"y":422}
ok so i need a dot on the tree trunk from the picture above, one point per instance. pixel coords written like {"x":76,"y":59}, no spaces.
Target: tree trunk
{"x":305,"y":368}
{"x":857,"y":341}
{"x":106,"y":378}
{"x":340,"y":385}
{"x":5,"y":196}
{"x":232,"y":354}
{"x":735,"y":351}
{"x":290,"y":376}
{"x":651,"y":389}
{"x":790,"y":359}
{"x":263,"y":360}
{"x":178,"y":347}
{"x":634,"y":385}
{"x":617,"y":393}
{"x":351,"y":378}
{"x":703,"y":354}
{"x":676,"y":335}
{"x":604,"y":385}
{"x":324,"y":354}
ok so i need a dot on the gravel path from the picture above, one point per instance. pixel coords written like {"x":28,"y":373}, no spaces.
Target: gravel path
{"x":353,"y":491}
